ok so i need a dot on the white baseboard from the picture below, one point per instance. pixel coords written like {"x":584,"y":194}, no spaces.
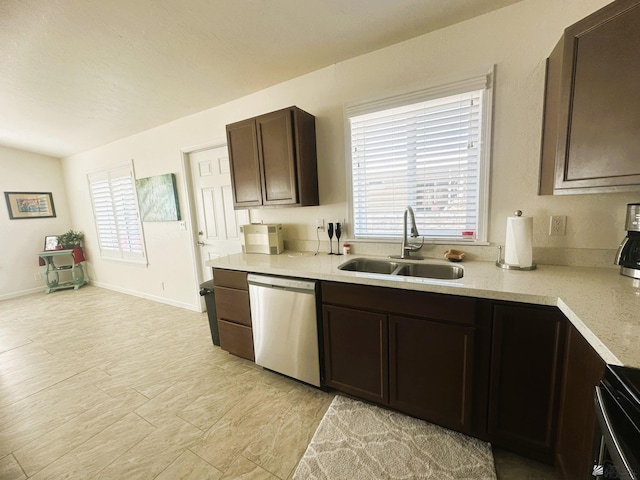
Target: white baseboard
{"x":147,"y":296}
{"x":22,"y":293}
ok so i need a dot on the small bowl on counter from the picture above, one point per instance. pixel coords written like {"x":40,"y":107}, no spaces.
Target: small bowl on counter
{"x":454,"y":255}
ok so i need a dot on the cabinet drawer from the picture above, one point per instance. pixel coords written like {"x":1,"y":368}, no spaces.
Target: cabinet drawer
{"x":236,"y":339}
{"x":233,"y":305}
{"x":230,"y":278}
{"x":434,"y":306}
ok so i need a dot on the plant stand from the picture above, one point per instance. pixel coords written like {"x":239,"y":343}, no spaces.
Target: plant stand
{"x":52,"y":275}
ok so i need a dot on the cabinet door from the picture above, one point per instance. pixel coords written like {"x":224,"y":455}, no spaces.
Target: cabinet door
{"x":526,"y":366}
{"x":577,"y":426}
{"x":431,"y":370}
{"x":597,"y":139}
{"x":277,"y":155}
{"x":244,"y":162}
{"x":356,"y":352}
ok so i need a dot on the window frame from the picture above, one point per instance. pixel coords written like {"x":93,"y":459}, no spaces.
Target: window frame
{"x":119,"y":255}
{"x":480,"y":79}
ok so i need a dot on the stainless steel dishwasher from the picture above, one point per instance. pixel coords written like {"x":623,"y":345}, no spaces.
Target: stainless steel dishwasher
{"x":285,"y":326}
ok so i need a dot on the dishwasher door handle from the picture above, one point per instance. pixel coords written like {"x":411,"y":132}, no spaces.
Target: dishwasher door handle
{"x":294,"y":284}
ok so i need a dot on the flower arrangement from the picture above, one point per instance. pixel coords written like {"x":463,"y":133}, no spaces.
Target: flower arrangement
{"x":71,"y":239}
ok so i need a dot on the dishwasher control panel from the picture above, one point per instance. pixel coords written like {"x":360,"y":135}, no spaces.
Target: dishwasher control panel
{"x":280,"y":282}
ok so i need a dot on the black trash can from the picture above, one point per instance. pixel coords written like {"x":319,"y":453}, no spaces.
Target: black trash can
{"x":206,"y":291}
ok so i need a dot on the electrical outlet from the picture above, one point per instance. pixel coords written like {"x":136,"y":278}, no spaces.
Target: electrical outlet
{"x":320,"y":224}
{"x":558,"y":225}
{"x":37,"y":276}
{"x":183,"y":226}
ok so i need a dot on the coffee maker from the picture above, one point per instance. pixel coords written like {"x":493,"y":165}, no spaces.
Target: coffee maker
{"x":628,"y":256}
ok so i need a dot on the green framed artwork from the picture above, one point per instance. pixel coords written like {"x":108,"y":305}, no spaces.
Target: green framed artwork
{"x":30,"y":205}
{"x":158,"y":198}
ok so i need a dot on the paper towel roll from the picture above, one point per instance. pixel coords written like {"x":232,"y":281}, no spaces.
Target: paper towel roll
{"x":518,"y":248}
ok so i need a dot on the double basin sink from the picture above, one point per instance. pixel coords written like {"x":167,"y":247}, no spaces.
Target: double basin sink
{"x":407,"y":269}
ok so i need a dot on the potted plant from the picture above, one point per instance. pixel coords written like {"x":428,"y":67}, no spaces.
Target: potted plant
{"x":71,"y":239}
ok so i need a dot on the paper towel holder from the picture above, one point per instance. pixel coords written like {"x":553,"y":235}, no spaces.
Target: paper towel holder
{"x":500,"y":262}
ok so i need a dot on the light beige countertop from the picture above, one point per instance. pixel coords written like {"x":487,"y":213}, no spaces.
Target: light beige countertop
{"x":602,"y":304}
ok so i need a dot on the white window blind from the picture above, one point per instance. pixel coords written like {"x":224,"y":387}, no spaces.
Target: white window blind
{"x":115,"y":209}
{"x":424,"y":150}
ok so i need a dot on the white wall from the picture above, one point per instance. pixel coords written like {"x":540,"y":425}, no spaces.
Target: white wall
{"x":517,"y":39}
{"x":22,"y":239}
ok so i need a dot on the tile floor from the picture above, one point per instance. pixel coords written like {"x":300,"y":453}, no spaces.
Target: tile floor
{"x":98,"y":384}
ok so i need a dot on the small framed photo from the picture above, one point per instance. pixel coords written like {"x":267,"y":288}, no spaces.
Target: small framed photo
{"x":51,"y":242}
{"x":30,"y":205}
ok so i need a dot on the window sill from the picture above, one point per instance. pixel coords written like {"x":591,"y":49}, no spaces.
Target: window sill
{"x":398,"y":241}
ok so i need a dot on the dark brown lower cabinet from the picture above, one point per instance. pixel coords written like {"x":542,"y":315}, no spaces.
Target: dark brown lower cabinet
{"x":577,"y":425}
{"x":431,"y":370}
{"x":526,"y":369}
{"x":233,"y":305}
{"x":236,"y":339}
{"x":234,"y":313}
{"x":412,"y":351}
{"x":356,"y":352}
{"x":516,"y":375}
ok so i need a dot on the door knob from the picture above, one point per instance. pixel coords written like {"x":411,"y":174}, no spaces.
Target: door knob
{"x":200,"y":232}
{"x":200,"y":243}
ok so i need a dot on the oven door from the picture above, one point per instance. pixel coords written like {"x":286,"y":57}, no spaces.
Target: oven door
{"x":619,"y":437}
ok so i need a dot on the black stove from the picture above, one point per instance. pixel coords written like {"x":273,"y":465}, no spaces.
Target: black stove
{"x":618,"y":411}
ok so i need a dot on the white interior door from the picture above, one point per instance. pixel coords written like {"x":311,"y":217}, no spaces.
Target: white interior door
{"x":219,"y":224}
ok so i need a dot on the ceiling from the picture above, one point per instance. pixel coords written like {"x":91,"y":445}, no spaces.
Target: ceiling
{"x":77,"y":74}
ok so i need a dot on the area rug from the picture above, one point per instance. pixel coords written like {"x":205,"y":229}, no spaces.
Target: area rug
{"x":357,"y":441}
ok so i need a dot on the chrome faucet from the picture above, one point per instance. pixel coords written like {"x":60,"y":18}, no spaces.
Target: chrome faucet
{"x":407,"y":247}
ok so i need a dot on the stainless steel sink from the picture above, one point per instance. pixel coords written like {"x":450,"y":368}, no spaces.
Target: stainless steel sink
{"x":431,"y":270}
{"x":369,"y":266}
{"x":407,"y":269}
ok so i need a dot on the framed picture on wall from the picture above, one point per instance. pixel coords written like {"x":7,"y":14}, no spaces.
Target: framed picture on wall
{"x":158,"y":198}
{"x":30,"y":205}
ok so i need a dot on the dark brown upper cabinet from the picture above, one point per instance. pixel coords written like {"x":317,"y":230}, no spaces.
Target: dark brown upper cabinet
{"x":591,"y":125}
{"x":273,"y":160}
